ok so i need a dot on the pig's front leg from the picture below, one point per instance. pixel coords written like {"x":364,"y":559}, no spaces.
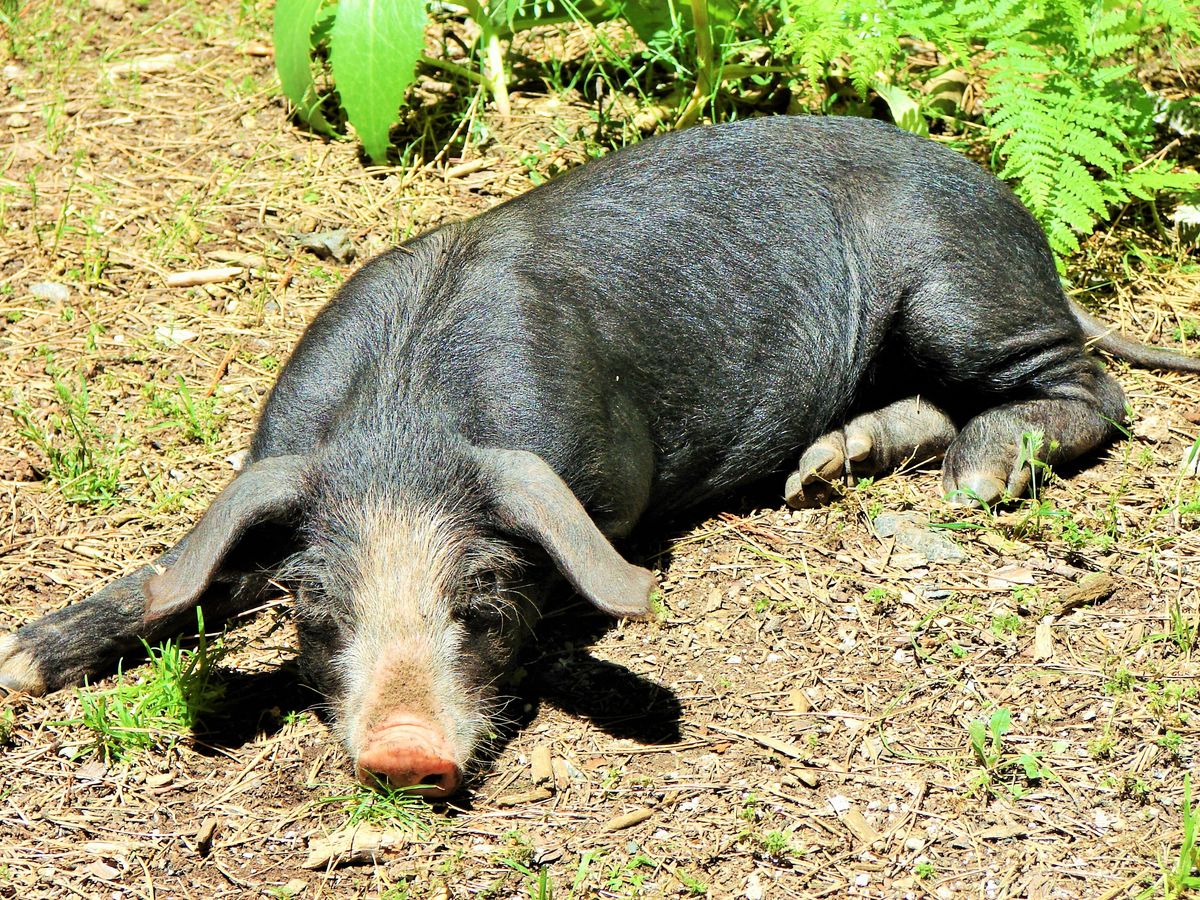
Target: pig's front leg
{"x":912,"y":430}
{"x":86,"y":639}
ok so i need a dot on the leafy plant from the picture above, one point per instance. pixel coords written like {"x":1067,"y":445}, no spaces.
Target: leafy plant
{"x":370,"y":50}
{"x":987,"y":744}
{"x":1065,"y":114}
{"x":158,"y":707}
{"x":385,"y":805}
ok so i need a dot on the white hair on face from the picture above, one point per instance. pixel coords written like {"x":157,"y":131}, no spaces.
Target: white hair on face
{"x":405,"y":638}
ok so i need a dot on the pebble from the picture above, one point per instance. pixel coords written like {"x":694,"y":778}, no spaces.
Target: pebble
{"x":911,"y":531}
{"x":50,"y":290}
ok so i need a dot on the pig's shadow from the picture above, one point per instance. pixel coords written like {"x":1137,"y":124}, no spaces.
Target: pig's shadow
{"x":619,"y":701}
{"x":255,"y":705}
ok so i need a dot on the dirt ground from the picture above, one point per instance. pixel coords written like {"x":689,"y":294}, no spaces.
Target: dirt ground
{"x":797,"y":724}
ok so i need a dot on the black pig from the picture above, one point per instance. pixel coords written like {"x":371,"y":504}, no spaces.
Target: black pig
{"x":503,"y":396}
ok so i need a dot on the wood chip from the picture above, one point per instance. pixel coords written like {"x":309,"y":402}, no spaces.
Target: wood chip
{"x":1092,"y":588}
{"x":1004,"y":832}
{"x":194,"y":277}
{"x":204,"y":837}
{"x":101,"y":870}
{"x":519,"y":799}
{"x":1007,"y":577}
{"x":147,"y":65}
{"x":858,"y":825}
{"x":807,"y":777}
{"x":357,"y":844}
{"x":628,"y":820}
{"x":1043,"y":641}
{"x":466,"y":168}
{"x":542,"y":765}
{"x":238,"y":258}
{"x":1003,"y":545}
{"x":162,"y":779}
{"x":111,"y":849}
{"x":172,"y":334}
{"x":799,"y":700}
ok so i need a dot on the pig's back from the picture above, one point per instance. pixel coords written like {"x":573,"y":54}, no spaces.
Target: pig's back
{"x":731,"y":285}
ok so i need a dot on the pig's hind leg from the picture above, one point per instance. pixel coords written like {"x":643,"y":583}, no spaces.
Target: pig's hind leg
{"x":1003,"y":451}
{"x":912,"y":430}
{"x":1001,"y":345}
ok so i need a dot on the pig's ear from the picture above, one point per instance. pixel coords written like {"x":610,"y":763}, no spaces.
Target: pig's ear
{"x":534,"y":503}
{"x":269,"y":489}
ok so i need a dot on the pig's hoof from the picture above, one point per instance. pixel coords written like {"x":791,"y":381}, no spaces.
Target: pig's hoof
{"x":18,"y":669}
{"x":909,"y":431}
{"x":821,"y":465}
{"x":976,"y":489}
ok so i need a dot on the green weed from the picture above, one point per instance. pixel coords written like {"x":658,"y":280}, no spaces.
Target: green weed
{"x":385,"y":805}
{"x":1183,"y":878}
{"x":175,"y":691}
{"x":82,"y":460}
{"x":999,"y":768}
{"x":197,"y":418}
{"x":1005,"y":624}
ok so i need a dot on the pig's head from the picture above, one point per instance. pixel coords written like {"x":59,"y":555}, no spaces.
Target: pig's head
{"x":413,"y":596}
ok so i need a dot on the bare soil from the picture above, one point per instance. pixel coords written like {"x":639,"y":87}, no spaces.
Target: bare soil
{"x":798,"y":722}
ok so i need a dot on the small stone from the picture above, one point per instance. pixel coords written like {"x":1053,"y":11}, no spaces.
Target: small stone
{"x":17,"y":120}
{"x":113,"y":8}
{"x":50,"y":290}
{"x":334,"y":244}
{"x":888,"y":524}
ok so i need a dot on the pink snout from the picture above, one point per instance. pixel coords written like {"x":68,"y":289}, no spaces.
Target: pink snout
{"x":405,"y":752}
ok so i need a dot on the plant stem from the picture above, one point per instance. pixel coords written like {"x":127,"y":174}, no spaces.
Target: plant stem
{"x":453,"y":68}
{"x":704,"y":65}
{"x":493,"y":62}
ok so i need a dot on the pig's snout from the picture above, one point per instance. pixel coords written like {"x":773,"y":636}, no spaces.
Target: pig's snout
{"x":405,"y":752}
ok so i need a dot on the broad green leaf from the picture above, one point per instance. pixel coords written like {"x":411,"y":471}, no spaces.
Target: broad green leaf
{"x":294,"y":20}
{"x":374,"y":48}
{"x":1000,"y":724}
{"x":905,"y":111}
{"x":978,"y":741}
{"x":1032,"y":766}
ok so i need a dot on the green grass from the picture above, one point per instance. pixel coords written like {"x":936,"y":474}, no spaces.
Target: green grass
{"x":1182,"y":879}
{"x":81,"y":459}
{"x":196,"y":417}
{"x":176,"y":688}
{"x":385,"y":806}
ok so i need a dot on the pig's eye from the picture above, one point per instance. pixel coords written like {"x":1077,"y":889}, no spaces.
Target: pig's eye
{"x":480,"y":613}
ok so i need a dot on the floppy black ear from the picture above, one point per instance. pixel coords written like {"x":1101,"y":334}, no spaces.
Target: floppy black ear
{"x":534,"y":503}
{"x":269,"y":489}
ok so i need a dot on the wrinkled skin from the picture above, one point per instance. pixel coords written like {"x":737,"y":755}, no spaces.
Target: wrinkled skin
{"x":487,"y":407}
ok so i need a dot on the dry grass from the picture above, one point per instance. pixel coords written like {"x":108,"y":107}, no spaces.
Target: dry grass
{"x":798,"y":725}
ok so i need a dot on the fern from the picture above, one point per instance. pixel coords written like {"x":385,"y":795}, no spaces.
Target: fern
{"x":1069,"y":124}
